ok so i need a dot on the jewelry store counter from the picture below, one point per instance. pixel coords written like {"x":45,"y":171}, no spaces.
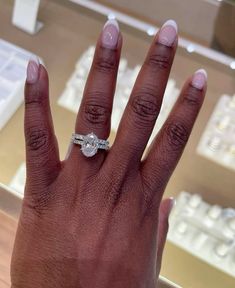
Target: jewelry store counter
{"x":68,"y":31}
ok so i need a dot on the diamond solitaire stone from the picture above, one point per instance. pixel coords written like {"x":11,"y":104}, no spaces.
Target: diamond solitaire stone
{"x":90,"y":145}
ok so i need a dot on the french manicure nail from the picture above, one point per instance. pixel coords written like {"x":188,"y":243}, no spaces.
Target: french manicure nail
{"x":199,"y":79}
{"x":33,"y":70}
{"x":168,"y":33}
{"x":110,"y":34}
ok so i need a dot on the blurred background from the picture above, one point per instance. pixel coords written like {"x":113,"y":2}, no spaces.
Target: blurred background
{"x":200,"y":250}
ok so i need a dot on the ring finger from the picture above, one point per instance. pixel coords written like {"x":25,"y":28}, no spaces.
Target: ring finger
{"x":95,"y":110}
{"x":146,"y":98}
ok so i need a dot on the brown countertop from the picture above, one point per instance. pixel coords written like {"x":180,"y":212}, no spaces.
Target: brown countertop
{"x":7,"y":233}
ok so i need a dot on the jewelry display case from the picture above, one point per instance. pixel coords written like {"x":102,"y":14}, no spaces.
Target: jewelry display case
{"x":70,"y":29}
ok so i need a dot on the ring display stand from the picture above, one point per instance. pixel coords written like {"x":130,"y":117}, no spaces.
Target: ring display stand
{"x":25,"y":16}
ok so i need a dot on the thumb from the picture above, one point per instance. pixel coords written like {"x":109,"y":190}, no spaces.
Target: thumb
{"x":164,"y":212}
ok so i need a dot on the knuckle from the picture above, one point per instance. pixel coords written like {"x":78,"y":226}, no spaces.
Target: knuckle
{"x":37,"y":139}
{"x":37,"y":203}
{"x":145,"y":106}
{"x":192,"y":98}
{"x":114,"y":182}
{"x":105,"y":62}
{"x":150,"y":190}
{"x":177,"y":135}
{"x":159,"y":61}
{"x":96,"y":114}
{"x":33,"y":96}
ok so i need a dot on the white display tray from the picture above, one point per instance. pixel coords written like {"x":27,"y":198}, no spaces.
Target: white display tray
{"x":13,"y":64}
{"x":218,"y":140}
{"x":205,"y":231}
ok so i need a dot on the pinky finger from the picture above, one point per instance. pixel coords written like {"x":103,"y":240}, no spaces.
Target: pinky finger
{"x":169,"y":144}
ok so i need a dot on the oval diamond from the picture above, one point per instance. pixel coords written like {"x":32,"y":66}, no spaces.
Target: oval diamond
{"x":90,"y":145}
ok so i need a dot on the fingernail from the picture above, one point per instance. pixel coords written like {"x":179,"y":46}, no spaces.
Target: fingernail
{"x":199,"y":79}
{"x":168,"y":33}
{"x":172,"y":204}
{"x":110,"y":34}
{"x":33,"y":70}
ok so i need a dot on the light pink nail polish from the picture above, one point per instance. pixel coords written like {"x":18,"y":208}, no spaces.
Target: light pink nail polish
{"x":32,"y":70}
{"x":199,"y":79}
{"x":168,"y":33}
{"x":110,"y":34}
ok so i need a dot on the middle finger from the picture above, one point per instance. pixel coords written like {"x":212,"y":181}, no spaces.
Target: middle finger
{"x":146,"y":98}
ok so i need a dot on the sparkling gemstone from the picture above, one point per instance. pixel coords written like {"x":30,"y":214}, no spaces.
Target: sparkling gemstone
{"x":90,"y":145}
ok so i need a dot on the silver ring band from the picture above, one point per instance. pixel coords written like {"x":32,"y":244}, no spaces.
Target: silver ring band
{"x":90,"y":143}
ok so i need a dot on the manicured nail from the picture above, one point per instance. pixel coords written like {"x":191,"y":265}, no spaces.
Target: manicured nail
{"x":33,"y":70}
{"x":168,"y":33}
{"x":110,"y":34}
{"x":199,"y":79}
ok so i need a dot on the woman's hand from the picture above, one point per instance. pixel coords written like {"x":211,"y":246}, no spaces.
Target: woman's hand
{"x":99,"y":221}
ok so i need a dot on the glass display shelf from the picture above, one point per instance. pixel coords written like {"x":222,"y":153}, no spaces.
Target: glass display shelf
{"x":69,"y":30}
{"x":215,"y":28}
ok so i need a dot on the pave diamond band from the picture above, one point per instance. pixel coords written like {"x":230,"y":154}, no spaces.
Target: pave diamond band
{"x":90,"y":143}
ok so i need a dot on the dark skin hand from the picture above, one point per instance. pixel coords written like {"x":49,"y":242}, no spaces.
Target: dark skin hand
{"x":101,"y":221}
